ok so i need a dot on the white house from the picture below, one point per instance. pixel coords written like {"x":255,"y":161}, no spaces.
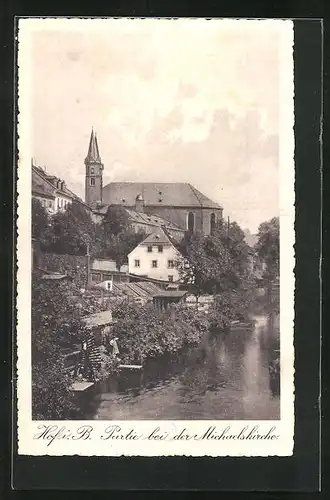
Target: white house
{"x":155,"y":257}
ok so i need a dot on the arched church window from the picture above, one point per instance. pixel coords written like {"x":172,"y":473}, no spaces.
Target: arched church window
{"x":92,"y":170}
{"x":191,"y":221}
{"x":212,"y":223}
{"x":92,"y":182}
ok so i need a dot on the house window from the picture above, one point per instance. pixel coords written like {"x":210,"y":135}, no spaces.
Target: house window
{"x":170,"y":278}
{"x":95,"y":277}
{"x":170,"y":264}
{"x":191,"y":222}
{"x":50,"y":204}
{"x":92,"y":181}
{"x":212,"y":223}
{"x":160,"y":248}
{"x":136,"y":263}
{"x":154,"y":263}
{"x":149,"y":249}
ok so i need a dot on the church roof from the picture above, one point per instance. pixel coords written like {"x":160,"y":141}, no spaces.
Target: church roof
{"x":175,"y":194}
{"x":93,"y":154}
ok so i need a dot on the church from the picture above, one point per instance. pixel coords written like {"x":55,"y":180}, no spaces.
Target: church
{"x":176,"y":203}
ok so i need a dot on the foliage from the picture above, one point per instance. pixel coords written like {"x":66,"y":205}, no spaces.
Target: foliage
{"x":53,"y":320}
{"x":74,"y":266}
{"x":214,"y":263}
{"x":72,"y":231}
{"x":39,"y":220}
{"x":117,"y":247}
{"x":146,"y":332}
{"x":268,"y":246}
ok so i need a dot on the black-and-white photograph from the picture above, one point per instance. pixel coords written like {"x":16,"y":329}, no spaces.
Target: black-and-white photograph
{"x":155,"y":223}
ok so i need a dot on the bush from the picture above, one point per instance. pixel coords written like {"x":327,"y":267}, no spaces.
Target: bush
{"x":145,"y":332}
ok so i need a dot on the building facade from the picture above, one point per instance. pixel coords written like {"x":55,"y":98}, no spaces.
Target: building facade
{"x":52,"y":192}
{"x":155,"y":257}
{"x":177,"y":202}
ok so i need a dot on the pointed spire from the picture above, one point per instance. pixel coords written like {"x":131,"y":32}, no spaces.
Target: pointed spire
{"x":93,"y":154}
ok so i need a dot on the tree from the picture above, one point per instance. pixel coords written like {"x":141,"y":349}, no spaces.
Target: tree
{"x":71,"y":231}
{"x":39,"y":220}
{"x":54,"y":327}
{"x":116,"y":220}
{"x":268,"y":246}
{"x":214,"y":263}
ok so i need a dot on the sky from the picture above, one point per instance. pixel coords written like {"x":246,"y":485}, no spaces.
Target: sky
{"x":170,"y":100}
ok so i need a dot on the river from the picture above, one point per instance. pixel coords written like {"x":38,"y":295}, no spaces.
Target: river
{"x":226,"y":378}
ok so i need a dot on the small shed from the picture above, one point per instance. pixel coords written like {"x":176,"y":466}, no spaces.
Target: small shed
{"x":163,"y":299}
{"x":99,"y":323}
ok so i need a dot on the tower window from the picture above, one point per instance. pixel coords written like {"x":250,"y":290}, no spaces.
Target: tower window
{"x":92,"y":170}
{"x":212,"y":223}
{"x":92,"y":181}
{"x":191,"y":222}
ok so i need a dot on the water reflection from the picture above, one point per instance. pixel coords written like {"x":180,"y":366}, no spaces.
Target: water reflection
{"x":227,"y":377}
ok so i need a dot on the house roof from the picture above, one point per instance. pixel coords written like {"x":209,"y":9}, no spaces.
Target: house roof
{"x":156,"y":238}
{"x":143,"y":218}
{"x":155,"y":220}
{"x":55,"y":276}
{"x":45,"y":184}
{"x":174,"y":194}
{"x":137,"y":290}
{"x":102,"y":318}
{"x":171,"y":293}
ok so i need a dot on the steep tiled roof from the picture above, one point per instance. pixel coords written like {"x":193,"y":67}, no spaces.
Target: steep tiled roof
{"x":93,"y":154}
{"x":156,"y":238}
{"x":174,"y":194}
{"x":142,"y":218}
{"x":45,"y":184}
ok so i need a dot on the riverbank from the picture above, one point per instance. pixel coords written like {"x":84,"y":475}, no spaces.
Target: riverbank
{"x":224,"y":377}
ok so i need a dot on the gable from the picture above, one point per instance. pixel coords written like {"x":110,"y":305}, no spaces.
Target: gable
{"x":174,"y":194}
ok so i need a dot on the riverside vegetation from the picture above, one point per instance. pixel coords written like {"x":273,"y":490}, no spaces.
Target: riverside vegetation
{"x":215,"y":264}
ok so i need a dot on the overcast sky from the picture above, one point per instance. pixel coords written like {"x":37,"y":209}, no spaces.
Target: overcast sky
{"x":171,"y":100}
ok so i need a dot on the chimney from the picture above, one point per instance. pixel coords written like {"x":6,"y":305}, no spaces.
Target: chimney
{"x":139,"y":203}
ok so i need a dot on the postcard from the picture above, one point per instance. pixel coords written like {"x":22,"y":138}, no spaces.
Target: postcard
{"x":155,"y":252}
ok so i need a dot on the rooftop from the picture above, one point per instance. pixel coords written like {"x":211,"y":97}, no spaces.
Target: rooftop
{"x":174,"y":194}
{"x":102,"y":318}
{"x":156,"y":238}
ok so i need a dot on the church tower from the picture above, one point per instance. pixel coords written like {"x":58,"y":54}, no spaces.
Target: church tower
{"x":94,"y":172}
